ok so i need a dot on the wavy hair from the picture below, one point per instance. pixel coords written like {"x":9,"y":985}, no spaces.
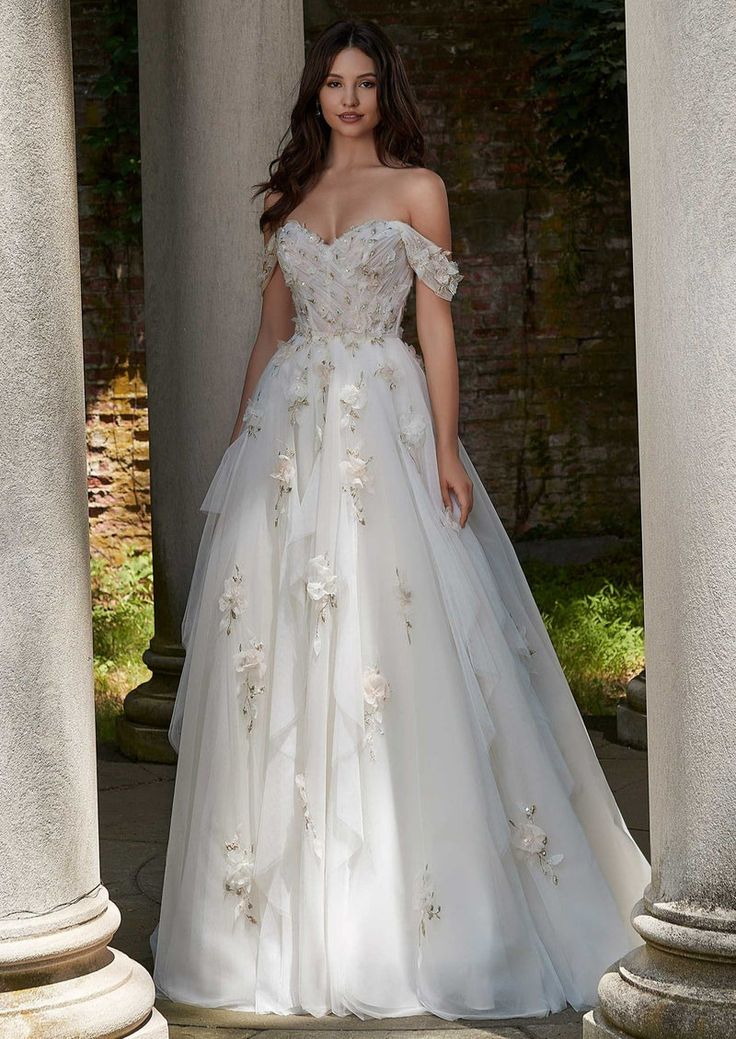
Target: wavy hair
{"x":302,"y":150}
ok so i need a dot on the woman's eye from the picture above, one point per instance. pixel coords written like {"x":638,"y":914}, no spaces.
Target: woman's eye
{"x":368,"y":83}
{"x":334,"y":83}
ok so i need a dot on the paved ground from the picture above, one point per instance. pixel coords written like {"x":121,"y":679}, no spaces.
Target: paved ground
{"x":135,"y":805}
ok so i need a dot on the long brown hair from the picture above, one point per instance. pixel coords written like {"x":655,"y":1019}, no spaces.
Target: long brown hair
{"x":303,"y":148}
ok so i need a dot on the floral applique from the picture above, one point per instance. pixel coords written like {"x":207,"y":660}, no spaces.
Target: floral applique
{"x":389,"y":372}
{"x":353,"y":397}
{"x":321,"y":583}
{"x":357,"y":477}
{"x":232,"y":602}
{"x":425,"y":901}
{"x":284,"y":473}
{"x":298,"y":395}
{"x":412,"y":430}
{"x":324,"y":369}
{"x":301,"y":785}
{"x":376,"y":690}
{"x":250,"y":666}
{"x":404,"y":595}
{"x":531,"y":839}
{"x":448,"y":518}
{"x":239,"y":868}
{"x":253,"y":418}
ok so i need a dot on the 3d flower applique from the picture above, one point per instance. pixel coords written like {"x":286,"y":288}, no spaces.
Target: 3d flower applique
{"x":532,"y":840}
{"x":250,"y":667}
{"x":232,"y":602}
{"x":301,"y":785}
{"x":352,"y":397}
{"x":389,"y":372}
{"x":447,"y":516}
{"x":376,"y":691}
{"x":321,"y":583}
{"x":404,"y":596}
{"x":357,"y":476}
{"x":425,"y":901}
{"x":412,"y":429}
{"x":298,"y":395}
{"x":284,"y":474}
{"x":239,"y":867}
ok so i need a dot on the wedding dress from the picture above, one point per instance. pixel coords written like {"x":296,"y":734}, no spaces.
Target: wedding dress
{"x":386,"y":800}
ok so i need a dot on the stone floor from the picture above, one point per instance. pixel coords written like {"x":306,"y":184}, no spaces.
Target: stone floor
{"x":135,"y":805}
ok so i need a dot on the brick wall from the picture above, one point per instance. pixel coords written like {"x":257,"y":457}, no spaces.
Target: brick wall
{"x":548,"y":411}
{"x":112,"y":312}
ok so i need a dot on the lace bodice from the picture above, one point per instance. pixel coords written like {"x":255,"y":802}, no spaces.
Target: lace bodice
{"x":357,"y":284}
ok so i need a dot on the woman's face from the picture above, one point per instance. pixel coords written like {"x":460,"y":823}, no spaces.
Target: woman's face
{"x":349,"y":94}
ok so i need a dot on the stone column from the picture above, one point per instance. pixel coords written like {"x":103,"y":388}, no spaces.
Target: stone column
{"x":682,"y":107}
{"x":217,"y":81}
{"x":57,"y":975}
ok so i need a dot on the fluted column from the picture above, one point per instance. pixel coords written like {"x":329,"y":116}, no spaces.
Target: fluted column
{"x":682,"y":108}
{"x":217,"y":81}
{"x":57,"y":975}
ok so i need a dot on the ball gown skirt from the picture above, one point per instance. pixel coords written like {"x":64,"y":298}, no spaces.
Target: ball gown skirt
{"x":386,"y":801}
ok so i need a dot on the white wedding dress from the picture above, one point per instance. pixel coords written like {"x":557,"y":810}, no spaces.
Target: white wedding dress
{"x":386,"y":801}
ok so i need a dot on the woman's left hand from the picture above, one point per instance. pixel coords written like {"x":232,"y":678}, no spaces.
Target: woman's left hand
{"x":454,"y":478}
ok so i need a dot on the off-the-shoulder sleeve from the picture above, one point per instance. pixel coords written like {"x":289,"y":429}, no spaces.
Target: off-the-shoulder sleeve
{"x":269,"y":259}
{"x":431,"y":263}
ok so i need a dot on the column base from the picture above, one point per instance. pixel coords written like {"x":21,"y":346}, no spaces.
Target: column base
{"x":60,"y":979}
{"x":680,"y":985}
{"x":142,"y":733}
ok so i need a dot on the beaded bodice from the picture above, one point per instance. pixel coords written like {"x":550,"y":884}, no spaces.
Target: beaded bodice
{"x":357,"y":284}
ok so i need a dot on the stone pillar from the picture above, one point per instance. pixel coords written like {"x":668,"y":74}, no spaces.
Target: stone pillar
{"x":57,"y":975}
{"x":217,"y":81}
{"x":682,"y":108}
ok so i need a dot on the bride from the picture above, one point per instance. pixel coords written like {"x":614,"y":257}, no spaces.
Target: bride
{"x":386,"y":801}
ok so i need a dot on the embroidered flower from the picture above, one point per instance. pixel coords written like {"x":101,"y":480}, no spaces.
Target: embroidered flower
{"x":232,"y":602}
{"x":412,"y":429}
{"x":324,"y":369}
{"x":376,"y":690}
{"x":252,"y":419}
{"x":357,"y":477}
{"x":352,"y":397}
{"x":301,"y":785}
{"x":321,"y":583}
{"x":404,"y":596}
{"x":284,"y":473}
{"x":239,"y":869}
{"x":250,"y":665}
{"x":531,"y":839}
{"x":388,"y":372}
{"x":425,"y":900}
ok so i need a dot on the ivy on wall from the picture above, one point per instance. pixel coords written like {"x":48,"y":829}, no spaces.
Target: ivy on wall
{"x":580,"y":74}
{"x":113,"y":144}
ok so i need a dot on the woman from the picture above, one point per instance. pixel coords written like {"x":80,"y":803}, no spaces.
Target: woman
{"x":386,"y":801}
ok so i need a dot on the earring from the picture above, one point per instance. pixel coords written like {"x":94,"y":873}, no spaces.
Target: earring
{"x":319,"y":108}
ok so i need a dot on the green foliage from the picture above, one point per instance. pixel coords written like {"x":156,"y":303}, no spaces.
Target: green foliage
{"x":594,"y":614}
{"x":580,"y":72}
{"x":122,"y":625}
{"x":114,"y":144}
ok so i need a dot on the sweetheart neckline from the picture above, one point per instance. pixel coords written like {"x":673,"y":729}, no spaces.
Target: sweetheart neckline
{"x":347,"y":231}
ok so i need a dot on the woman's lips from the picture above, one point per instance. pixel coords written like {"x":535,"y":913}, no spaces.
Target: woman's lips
{"x":350,"y":117}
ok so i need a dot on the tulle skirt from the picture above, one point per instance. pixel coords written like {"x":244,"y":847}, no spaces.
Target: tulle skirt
{"x":386,"y":800}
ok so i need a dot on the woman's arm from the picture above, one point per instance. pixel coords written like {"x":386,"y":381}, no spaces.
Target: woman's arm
{"x":430,"y":216}
{"x":277,"y":323}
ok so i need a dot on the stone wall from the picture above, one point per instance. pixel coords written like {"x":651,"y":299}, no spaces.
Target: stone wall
{"x":544,"y":315}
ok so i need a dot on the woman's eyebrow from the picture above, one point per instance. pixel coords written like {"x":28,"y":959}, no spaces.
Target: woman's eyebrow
{"x":337,"y":75}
